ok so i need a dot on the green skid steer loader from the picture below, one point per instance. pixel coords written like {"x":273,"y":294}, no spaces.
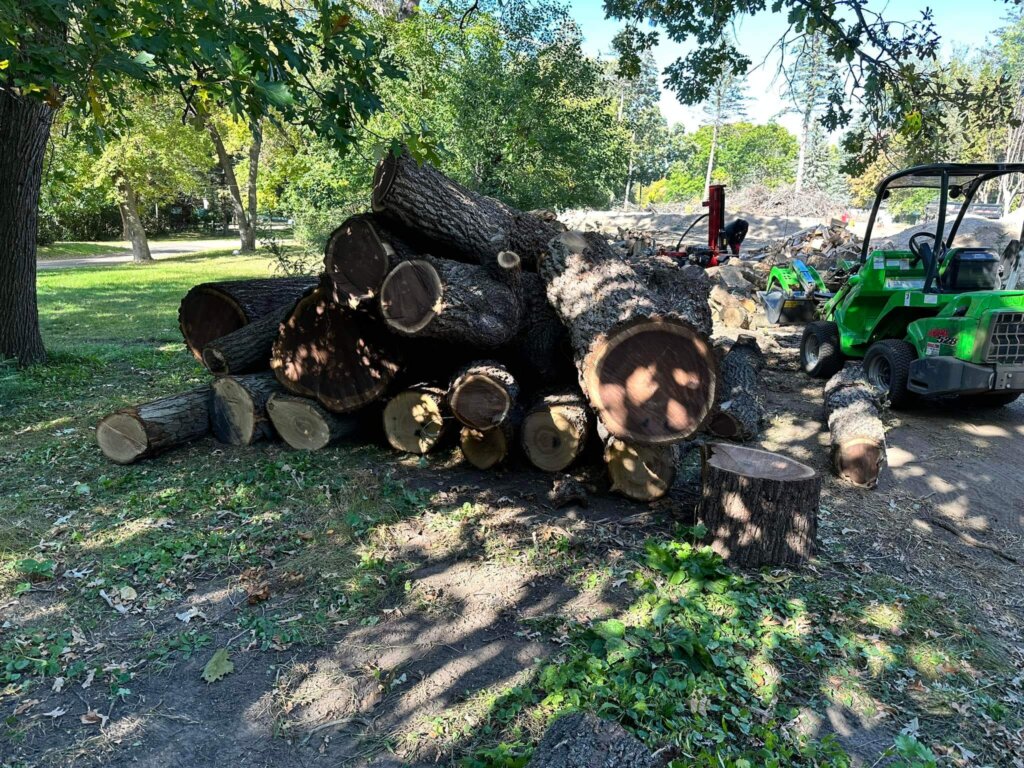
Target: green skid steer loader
{"x":936,"y":320}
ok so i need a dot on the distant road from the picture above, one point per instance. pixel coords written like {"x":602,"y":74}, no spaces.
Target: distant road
{"x":161,"y":249}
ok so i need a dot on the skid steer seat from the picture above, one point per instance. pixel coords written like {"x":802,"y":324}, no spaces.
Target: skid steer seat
{"x":970,"y":269}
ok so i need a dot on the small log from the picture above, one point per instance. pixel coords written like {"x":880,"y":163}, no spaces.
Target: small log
{"x":853,"y":414}
{"x":212,"y":310}
{"x":646,"y":367}
{"x":555,"y":431}
{"x":416,"y":420}
{"x":639,"y":472}
{"x":759,"y":508}
{"x":306,"y":425}
{"x":247,"y":349}
{"x":238,"y":408}
{"x":739,"y":410}
{"x":472,"y":226}
{"x":360,"y":253}
{"x":486,"y":449}
{"x":483,"y":394}
{"x":341,"y":357}
{"x":143,"y":431}
{"x":450,"y":301}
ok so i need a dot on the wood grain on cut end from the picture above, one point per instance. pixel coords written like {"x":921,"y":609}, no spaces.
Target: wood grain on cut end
{"x":355,"y":259}
{"x":145,"y":430}
{"x":653,"y":381}
{"x":555,"y":431}
{"x":306,"y":425}
{"x":414,"y":420}
{"x":640,"y":472}
{"x":480,"y":402}
{"x":484,"y":449}
{"x":238,"y":408}
{"x":207,"y":315}
{"x":411,"y":296}
{"x":122,"y":437}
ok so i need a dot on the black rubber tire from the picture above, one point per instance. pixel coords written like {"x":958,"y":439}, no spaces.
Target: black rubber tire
{"x":997,"y":400}
{"x":824,"y":336}
{"x":887,"y":366}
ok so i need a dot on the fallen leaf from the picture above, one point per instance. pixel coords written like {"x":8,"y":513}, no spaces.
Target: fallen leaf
{"x":92,"y":717}
{"x":127,"y":594}
{"x":55,"y":713}
{"x":191,"y":613}
{"x":258,"y":593}
{"x":58,"y":684}
{"x":218,"y":666}
{"x":88,"y":678}
{"x":25,"y":706}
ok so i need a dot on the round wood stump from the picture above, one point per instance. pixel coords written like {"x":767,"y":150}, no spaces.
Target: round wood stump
{"x":414,"y":420}
{"x":760,"y":508}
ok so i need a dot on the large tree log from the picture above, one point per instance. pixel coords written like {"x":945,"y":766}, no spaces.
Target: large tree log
{"x":646,"y":368}
{"x":555,"y":431}
{"x":739,"y":410}
{"x":238,"y":408}
{"x":451,"y":301}
{"x":416,"y":420}
{"x":341,"y":357}
{"x":759,"y":508}
{"x":482,"y":394}
{"x":540,"y":354}
{"x":485,"y":449}
{"x":246,"y":350}
{"x":306,"y":425}
{"x":471,"y":225}
{"x":212,"y":310}
{"x":151,"y":428}
{"x":676,"y":284}
{"x":360,"y":253}
{"x":853,"y":414}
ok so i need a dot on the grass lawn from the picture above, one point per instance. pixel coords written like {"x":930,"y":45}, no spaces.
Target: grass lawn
{"x":357,"y":597}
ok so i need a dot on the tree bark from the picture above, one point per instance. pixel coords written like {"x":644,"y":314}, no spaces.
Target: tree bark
{"x":539,"y":355}
{"x":483,"y":394}
{"x":145,"y":430}
{"x":246,"y":350}
{"x":238,"y":408}
{"x":739,"y":410}
{"x":341,"y":357}
{"x":555,"y":430}
{"x":855,"y":425}
{"x":646,"y":367}
{"x":360,"y":254}
{"x":128,"y":204}
{"x":451,"y":301}
{"x":24,"y":132}
{"x":760,"y":508}
{"x":211,"y":311}
{"x":305,"y":425}
{"x":246,"y":227}
{"x":675,"y":284}
{"x":248,"y":234}
{"x":417,"y":420}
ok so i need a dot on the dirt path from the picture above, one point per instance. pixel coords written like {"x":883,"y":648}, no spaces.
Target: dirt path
{"x":160,"y":249}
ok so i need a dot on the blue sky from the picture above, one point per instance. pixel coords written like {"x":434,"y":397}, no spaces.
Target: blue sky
{"x":960,"y":23}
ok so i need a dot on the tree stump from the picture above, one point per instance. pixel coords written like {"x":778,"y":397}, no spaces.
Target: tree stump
{"x":341,"y":357}
{"x":483,"y":394}
{"x":555,"y":431}
{"x":212,"y":310}
{"x":739,"y":410}
{"x":646,"y":368}
{"x":760,"y":508}
{"x":447,"y":300}
{"x":238,"y":408}
{"x":853,"y":414}
{"x":306,"y":425}
{"x":142,"y":431}
{"x":416,"y":419}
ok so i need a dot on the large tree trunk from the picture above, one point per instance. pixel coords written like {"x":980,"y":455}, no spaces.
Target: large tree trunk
{"x":540,"y":354}
{"x":306,"y":425}
{"x":416,"y":420}
{"x":678,"y":285}
{"x":760,"y":508}
{"x":360,"y":254}
{"x":24,"y":131}
{"x":341,"y":357}
{"x":646,"y":367}
{"x":555,"y":430}
{"x":451,"y":301}
{"x":151,"y":428}
{"x":248,"y":234}
{"x":483,"y":394}
{"x":211,"y":311}
{"x":128,"y":204}
{"x":856,"y":428}
{"x":471,"y":226}
{"x":246,"y":226}
{"x":238,"y":408}
{"x":739,"y":411}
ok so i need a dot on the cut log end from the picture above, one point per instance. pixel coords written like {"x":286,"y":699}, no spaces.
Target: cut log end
{"x":122,"y":437}
{"x":215,"y":362}
{"x":484,"y":450}
{"x":206,"y":316}
{"x":552,"y":440}
{"x":305,"y":425}
{"x":859,"y":461}
{"x":411,"y":296}
{"x":509,"y":260}
{"x":356,"y":259}
{"x":480,"y":402}
{"x":653,"y":381}
{"x":238,"y":408}
{"x":640,"y":472}
{"x":414,"y":420}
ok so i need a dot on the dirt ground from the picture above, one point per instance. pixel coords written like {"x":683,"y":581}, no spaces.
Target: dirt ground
{"x":392,"y":693}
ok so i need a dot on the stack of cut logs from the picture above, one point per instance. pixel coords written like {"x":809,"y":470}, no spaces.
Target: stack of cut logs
{"x":449,"y":317}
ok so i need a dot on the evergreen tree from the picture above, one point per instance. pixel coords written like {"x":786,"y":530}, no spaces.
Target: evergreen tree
{"x":812,"y":81}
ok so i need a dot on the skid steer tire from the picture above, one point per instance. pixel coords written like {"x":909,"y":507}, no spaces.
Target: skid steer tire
{"x":820,"y":354}
{"x":887,"y":367}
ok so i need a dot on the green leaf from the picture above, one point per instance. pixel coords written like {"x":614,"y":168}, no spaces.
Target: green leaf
{"x":144,"y":58}
{"x":611,"y":628}
{"x":218,"y":666}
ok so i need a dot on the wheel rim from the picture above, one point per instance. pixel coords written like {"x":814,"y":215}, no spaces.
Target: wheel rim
{"x":812,"y":352}
{"x":880,"y":373}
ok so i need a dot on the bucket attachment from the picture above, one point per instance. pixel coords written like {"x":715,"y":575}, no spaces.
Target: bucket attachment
{"x":787,"y":308}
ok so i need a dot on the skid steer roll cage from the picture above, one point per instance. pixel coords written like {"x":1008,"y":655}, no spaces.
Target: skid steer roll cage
{"x":952,"y":180}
